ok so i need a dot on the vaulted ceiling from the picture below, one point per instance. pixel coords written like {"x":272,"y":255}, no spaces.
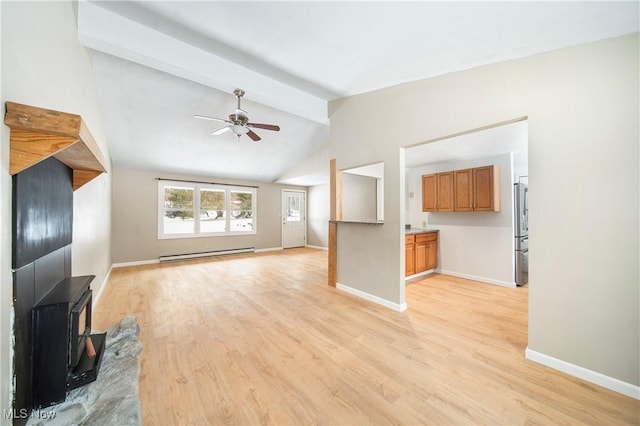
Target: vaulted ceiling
{"x":157,"y":63}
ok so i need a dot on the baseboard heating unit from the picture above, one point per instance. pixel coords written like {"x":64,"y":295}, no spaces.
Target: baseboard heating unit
{"x":171,"y":257}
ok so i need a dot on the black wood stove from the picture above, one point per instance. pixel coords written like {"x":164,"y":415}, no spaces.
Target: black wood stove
{"x":65,"y":353}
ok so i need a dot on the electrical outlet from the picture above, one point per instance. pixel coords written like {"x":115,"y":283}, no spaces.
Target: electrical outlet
{"x":424,"y":223}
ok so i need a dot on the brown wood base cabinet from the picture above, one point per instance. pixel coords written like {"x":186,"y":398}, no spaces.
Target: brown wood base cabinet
{"x":421,"y":252}
{"x":410,"y":255}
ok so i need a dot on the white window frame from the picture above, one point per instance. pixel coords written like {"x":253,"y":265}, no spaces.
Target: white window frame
{"x":197,"y":187}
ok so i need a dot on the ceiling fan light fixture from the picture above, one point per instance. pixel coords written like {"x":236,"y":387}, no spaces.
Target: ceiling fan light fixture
{"x":239,"y":130}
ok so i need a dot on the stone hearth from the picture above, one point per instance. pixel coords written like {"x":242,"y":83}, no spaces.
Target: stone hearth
{"x":113,"y":398}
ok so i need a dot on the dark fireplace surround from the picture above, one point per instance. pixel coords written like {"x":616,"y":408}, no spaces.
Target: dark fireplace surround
{"x":54,"y":348}
{"x":51,"y":154}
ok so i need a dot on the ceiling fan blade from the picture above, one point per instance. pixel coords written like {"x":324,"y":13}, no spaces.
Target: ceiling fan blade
{"x":253,"y":135}
{"x":204,"y":117}
{"x":221,"y":130}
{"x":264,"y":126}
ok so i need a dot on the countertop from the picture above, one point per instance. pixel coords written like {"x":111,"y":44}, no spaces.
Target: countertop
{"x":419,"y":231}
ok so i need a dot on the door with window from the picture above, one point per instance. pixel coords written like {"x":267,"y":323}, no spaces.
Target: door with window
{"x":294,"y":219}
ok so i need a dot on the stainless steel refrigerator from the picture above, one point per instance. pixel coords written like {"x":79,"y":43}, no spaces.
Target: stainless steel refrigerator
{"x":521,"y":197}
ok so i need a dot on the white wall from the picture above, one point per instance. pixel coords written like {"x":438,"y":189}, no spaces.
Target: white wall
{"x":313,"y":170}
{"x":318,"y":215}
{"x":473,"y":245}
{"x":359,"y":198}
{"x":91,"y":250}
{"x":582,"y":105}
{"x":135,"y":219}
{"x":44,"y":65}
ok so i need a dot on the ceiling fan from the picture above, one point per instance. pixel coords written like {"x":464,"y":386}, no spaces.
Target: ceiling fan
{"x":239,"y":123}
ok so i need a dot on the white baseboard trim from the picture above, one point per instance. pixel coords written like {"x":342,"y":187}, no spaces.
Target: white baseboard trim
{"x":477,"y":278}
{"x":152,"y":261}
{"x":213,"y":253}
{"x":269,"y":249}
{"x":375,"y":299}
{"x":317,"y":247}
{"x":135,"y":263}
{"x":419,"y":274}
{"x":600,"y":379}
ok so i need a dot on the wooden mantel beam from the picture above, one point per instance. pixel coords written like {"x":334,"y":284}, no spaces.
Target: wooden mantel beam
{"x":38,"y":133}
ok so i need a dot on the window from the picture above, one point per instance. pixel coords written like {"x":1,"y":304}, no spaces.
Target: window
{"x":191,"y":209}
{"x":293,"y":209}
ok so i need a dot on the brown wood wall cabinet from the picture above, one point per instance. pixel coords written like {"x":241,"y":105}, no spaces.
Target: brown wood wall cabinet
{"x":463,"y":183}
{"x":467,"y":190}
{"x":437,"y":192}
{"x":486,"y":189}
{"x":421,"y":252}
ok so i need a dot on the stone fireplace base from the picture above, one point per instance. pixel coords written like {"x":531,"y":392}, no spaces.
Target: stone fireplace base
{"x":113,"y":398}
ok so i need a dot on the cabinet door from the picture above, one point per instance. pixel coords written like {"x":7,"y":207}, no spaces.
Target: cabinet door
{"x":409,"y":260}
{"x":421,"y":257}
{"x":431,"y":255}
{"x":445,"y":192}
{"x":486,"y":189}
{"x":463,"y":190}
{"x":429,"y":193}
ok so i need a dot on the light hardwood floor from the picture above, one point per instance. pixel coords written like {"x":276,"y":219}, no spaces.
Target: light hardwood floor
{"x":262,"y":339}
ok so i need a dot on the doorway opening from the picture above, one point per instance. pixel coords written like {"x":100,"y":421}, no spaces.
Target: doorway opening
{"x":475,"y":245}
